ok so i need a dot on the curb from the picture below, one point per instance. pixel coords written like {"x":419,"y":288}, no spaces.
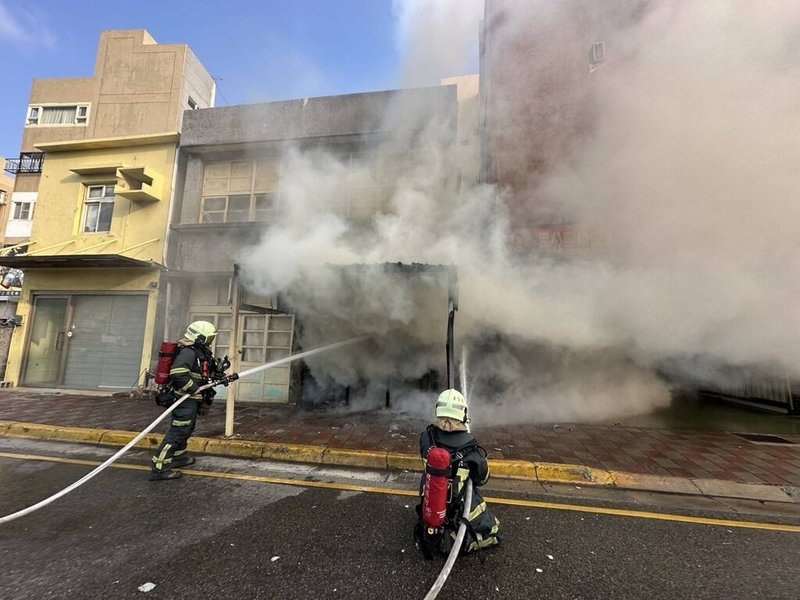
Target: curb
{"x":541,"y":472}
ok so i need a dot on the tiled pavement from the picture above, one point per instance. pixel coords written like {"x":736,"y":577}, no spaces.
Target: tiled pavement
{"x":636,"y":450}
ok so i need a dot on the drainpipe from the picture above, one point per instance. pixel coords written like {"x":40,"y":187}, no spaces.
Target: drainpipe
{"x":172,"y":194}
{"x":167,"y":307}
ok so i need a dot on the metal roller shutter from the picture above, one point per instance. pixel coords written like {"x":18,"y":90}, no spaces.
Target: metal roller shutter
{"x":105,"y":349}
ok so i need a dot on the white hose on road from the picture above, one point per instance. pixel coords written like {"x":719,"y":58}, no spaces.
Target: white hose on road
{"x":451,"y":560}
{"x":149,"y":428}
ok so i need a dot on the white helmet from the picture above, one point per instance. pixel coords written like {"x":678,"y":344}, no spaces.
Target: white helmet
{"x":451,"y":404}
{"x":201,"y":332}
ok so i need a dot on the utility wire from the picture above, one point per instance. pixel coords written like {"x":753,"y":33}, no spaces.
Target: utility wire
{"x":219,"y":90}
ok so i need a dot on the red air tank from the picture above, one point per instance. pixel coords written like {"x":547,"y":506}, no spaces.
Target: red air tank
{"x":166,"y":356}
{"x":437,"y":482}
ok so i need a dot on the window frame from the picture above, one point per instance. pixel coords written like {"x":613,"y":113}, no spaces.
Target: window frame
{"x":17,"y":207}
{"x":99,"y":201}
{"x":597,"y":53}
{"x":255,"y":195}
{"x":36,"y":113}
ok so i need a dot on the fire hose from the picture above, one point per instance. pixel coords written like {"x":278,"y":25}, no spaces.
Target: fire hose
{"x":224,"y":381}
{"x":451,"y":559}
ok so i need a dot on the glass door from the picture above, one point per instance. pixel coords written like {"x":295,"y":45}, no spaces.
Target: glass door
{"x":45,"y":356}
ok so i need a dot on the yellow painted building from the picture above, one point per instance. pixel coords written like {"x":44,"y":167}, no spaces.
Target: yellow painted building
{"x":91,"y":210}
{"x":93,"y":265}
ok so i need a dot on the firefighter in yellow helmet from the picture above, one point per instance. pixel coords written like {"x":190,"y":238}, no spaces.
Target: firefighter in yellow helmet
{"x":468,"y":461}
{"x":193,"y":367}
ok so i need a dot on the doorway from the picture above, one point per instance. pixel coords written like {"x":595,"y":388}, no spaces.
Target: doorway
{"x":85,"y":341}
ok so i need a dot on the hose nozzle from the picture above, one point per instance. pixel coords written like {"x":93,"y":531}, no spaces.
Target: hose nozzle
{"x":227,"y":379}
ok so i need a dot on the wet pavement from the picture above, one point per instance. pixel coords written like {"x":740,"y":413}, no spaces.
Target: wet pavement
{"x":212,"y":537}
{"x":710,"y":413}
{"x":652,"y":451}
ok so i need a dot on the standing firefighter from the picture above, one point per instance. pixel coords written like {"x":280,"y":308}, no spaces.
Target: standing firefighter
{"x":194,"y":366}
{"x":451,"y":457}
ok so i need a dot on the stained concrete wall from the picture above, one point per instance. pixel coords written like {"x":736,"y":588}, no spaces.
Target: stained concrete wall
{"x":538,"y":92}
{"x":228,"y":133}
{"x":139,"y":87}
{"x":350,"y":114}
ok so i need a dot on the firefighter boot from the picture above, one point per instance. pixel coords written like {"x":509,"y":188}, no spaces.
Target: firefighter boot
{"x":183,"y":461}
{"x":156,"y":475}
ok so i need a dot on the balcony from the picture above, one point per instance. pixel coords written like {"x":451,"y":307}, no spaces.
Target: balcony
{"x":28,"y":162}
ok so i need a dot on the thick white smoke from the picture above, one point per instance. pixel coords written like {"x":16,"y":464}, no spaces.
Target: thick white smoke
{"x":688,"y":176}
{"x":691,"y":176}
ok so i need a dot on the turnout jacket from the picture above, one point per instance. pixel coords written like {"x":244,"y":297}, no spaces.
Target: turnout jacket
{"x":476,"y":467}
{"x":186,"y":374}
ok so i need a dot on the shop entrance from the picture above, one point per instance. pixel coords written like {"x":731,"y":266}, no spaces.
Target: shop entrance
{"x":85,"y":341}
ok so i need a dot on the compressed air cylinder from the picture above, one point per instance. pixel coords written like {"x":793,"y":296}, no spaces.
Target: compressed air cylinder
{"x":166,"y":356}
{"x":437,"y":484}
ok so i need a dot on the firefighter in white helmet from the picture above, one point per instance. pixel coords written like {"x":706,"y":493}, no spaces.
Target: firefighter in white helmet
{"x":194,"y":366}
{"x":468,"y":461}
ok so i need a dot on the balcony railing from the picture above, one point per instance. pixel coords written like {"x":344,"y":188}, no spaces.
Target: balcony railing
{"x":28,"y":162}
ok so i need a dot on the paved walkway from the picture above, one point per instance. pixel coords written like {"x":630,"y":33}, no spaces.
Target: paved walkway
{"x":657,"y":452}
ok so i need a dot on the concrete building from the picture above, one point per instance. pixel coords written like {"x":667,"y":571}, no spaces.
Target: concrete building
{"x":97,"y":163}
{"x":6,"y":189}
{"x":228,"y":193}
{"x":539,"y":75}
{"x":538,"y":72}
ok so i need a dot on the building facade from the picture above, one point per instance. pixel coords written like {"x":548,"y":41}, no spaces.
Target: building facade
{"x":229,"y":192}
{"x":96,"y":167}
{"x":539,"y":69}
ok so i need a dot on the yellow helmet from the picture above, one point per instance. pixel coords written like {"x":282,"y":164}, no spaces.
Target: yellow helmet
{"x":451,"y":404}
{"x":201,"y":332}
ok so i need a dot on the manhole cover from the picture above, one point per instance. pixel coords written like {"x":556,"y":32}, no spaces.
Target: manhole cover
{"x":763,"y":438}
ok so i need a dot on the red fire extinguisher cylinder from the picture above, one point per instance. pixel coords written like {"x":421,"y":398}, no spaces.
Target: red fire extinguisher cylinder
{"x":166,"y":356}
{"x":434,"y":501}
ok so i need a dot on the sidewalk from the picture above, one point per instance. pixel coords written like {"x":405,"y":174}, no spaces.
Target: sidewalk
{"x":623,"y":456}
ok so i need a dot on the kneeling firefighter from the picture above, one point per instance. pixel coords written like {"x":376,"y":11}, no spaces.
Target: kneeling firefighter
{"x":194,"y":366}
{"x":451,"y":457}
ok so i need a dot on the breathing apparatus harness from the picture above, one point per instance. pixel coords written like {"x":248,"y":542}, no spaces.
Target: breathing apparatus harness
{"x":211,"y":370}
{"x":442,"y":502}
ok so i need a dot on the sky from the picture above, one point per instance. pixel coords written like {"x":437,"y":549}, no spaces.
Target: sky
{"x":257,"y":50}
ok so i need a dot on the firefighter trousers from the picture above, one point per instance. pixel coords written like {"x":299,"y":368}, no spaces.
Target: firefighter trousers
{"x":184,"y":419}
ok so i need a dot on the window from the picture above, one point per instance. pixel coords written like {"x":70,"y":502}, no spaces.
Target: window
{"x":3,"y":197}
{"x":247,"y":191}
{"x":23,"y":211}
{"x":99,"y":208}
{"x":81,"y":114}
{"x":266,"y":338}
{"x":222,"y":321}
{"x":598,"y":53}
{"x":240,"y":191}
{"x":76,"y":114}
{"x":33,"y":115}
{"x":192,"y":104}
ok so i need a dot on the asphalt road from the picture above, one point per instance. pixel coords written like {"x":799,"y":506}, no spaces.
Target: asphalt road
{"x":210,"y":537}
